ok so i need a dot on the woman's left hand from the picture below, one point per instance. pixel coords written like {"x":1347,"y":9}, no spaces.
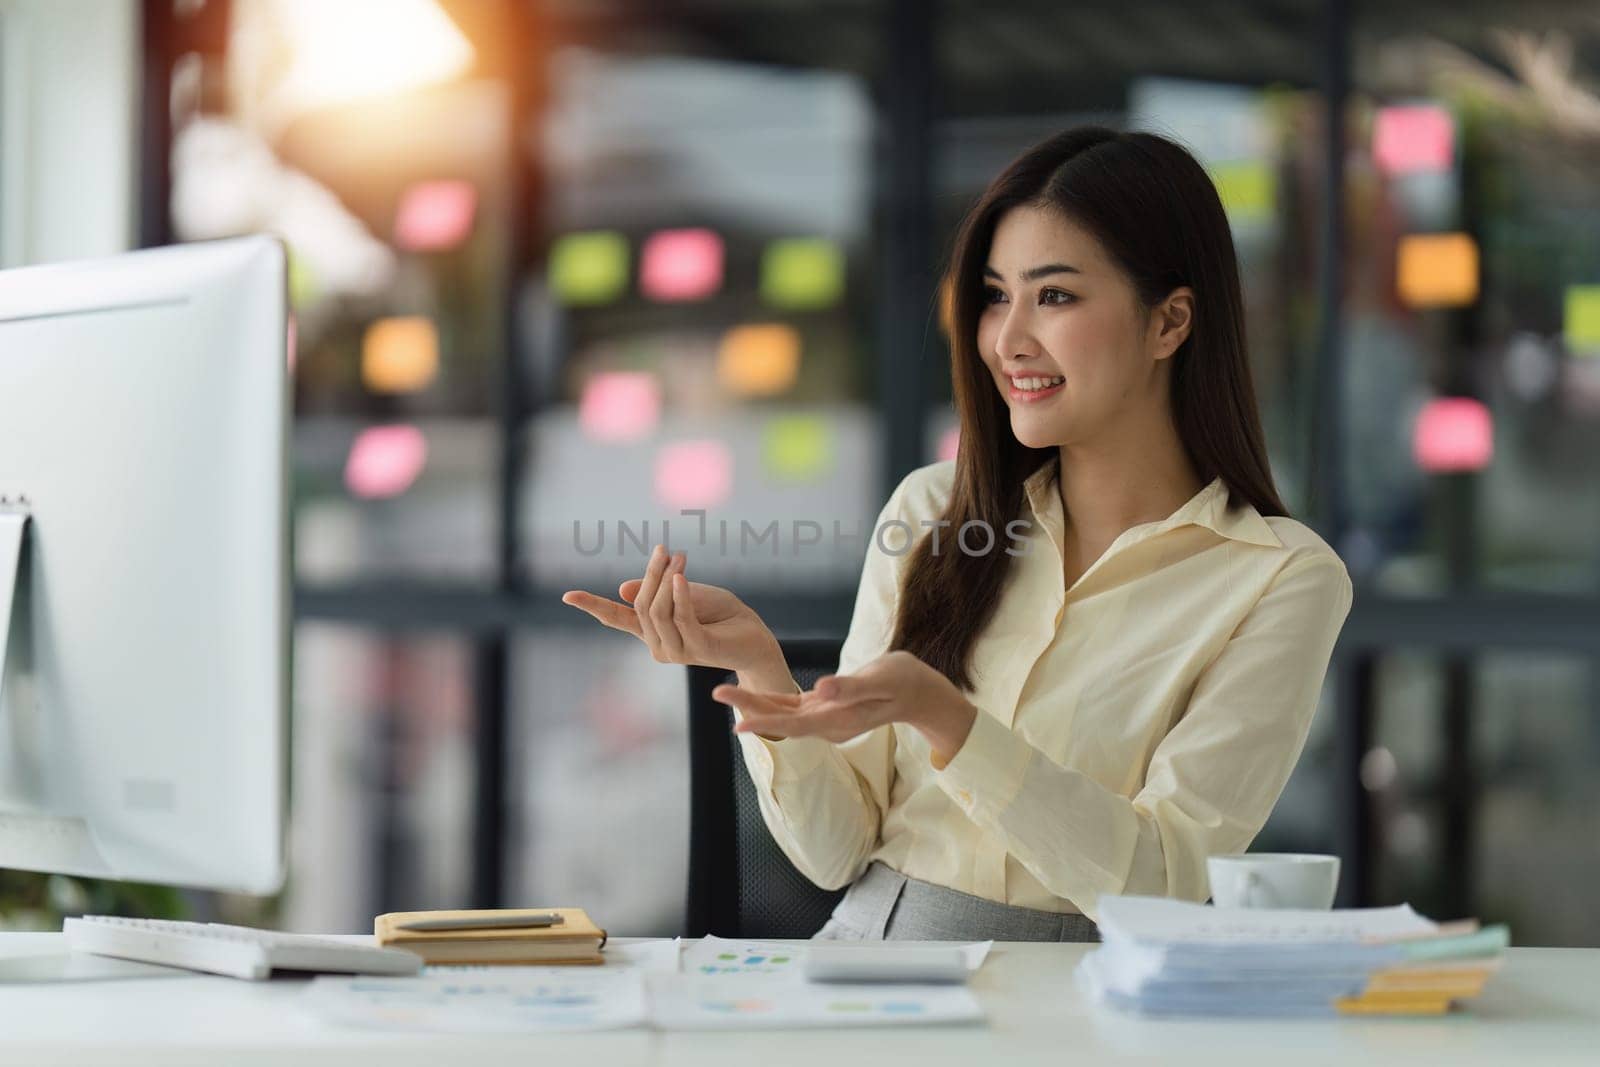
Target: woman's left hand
{"x":895,"y":687}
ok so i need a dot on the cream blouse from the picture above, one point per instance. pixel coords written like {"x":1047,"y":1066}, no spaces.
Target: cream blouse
{"x":1129,"y":727}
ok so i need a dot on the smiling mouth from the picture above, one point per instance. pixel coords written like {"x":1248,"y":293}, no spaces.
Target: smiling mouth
{"x":1034,"y":389}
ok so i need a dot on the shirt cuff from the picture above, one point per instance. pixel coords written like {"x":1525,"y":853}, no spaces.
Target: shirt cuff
{"x":785,"y":760}
{"x":986,"y":773}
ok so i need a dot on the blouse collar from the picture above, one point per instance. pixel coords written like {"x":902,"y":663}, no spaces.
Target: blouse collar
{"x":1208,"y":508}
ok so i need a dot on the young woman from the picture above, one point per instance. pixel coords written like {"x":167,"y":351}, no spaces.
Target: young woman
{"x":1084,"y":654}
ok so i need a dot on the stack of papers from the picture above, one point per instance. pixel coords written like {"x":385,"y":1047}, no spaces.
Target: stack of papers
{"x":1171,"y":957}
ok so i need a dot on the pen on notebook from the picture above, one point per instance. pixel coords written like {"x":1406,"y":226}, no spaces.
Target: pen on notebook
{"x":485,"y":922}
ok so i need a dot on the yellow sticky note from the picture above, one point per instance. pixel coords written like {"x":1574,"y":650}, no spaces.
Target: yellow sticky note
{"x":304,"y":288}
{"x":797,"y":447}
{"x":802,"y":272}
{"x":1581,"y":323}
{"x":1248,"y":189}
{"x":589,"y":268}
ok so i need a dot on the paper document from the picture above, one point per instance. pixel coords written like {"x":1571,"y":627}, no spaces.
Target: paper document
{"x":716,"y":984}
{"x":712,"y":955}
{"x":698,"y":1002}
{"x":580,"y":998}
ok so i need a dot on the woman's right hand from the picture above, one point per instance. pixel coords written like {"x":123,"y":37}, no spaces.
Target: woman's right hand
{"x":682,"y":621}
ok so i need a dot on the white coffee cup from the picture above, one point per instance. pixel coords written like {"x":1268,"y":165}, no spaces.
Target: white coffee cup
{"x":1274,"y":880}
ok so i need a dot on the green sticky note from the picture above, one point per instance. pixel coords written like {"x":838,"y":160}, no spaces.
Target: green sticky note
{"x":1248,"y":189}
{"x":303,"y":287}
{"x":797,"y":447}
{"x":1581,"y":324}
{"x":802,"y":272}
{"x":589,"y":268}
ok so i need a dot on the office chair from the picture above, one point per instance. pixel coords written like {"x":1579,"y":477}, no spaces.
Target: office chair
{"x":740,"y":882}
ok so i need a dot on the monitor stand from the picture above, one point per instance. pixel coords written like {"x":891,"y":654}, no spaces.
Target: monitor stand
{"x":13,"y":523}
{"x":62,"y":966}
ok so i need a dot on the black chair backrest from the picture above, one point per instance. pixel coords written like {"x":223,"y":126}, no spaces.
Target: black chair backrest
{"x":740,"y":882}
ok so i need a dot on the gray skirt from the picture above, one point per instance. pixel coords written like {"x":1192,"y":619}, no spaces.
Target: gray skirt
{"x":885,"y":905}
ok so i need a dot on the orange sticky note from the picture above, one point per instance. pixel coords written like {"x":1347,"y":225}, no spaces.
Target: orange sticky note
{"x":760,"y":360}
{"x":1437,"y":270}
{"x":400,"y":355}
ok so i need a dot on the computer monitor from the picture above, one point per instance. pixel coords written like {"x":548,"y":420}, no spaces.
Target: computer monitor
{"x":143,"y":566}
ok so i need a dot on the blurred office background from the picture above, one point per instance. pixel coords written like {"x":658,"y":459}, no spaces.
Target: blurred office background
{"x":565,"y":269}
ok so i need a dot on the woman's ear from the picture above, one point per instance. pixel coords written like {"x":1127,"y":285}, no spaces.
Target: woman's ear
{"x":1171,"y":321}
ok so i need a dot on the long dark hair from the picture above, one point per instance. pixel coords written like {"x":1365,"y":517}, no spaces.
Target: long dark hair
{"x":1154,"y":209}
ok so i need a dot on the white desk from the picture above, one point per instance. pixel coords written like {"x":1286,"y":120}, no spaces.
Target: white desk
{"x":1544,"y":1007}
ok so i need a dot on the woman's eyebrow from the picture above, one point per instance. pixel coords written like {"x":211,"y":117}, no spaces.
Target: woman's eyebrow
{"x":1033,"y":273}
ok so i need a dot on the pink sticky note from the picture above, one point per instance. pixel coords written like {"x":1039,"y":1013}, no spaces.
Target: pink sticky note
{"x":1453,"y":433}
{"x":694,"y":474}
{"x":1409,"y":139}
{"x":681,"y":265}
{"x":435,"y":215}
{"x":620,"y":406}
{"x":385,"y":461}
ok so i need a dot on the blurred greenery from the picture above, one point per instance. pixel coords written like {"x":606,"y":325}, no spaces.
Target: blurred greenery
{"x":33,"y":901}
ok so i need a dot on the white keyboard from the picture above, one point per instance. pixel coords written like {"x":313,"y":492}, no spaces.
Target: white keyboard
{"x":236,"y":951}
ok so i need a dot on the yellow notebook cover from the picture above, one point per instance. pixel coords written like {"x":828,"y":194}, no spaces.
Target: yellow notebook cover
{"x":1417,"y":1006}
{"x":1451,"y":986}
{"x":1453,"y":978}
{"x":576,"y":939}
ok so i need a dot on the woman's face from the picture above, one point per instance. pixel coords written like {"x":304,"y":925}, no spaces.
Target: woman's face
{"x":1055,"y":307}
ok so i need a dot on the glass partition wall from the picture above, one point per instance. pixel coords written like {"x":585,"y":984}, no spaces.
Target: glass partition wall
{"x":575,"y":270}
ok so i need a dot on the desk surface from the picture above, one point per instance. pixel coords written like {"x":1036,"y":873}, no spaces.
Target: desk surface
{"x":1543,"y":1007}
